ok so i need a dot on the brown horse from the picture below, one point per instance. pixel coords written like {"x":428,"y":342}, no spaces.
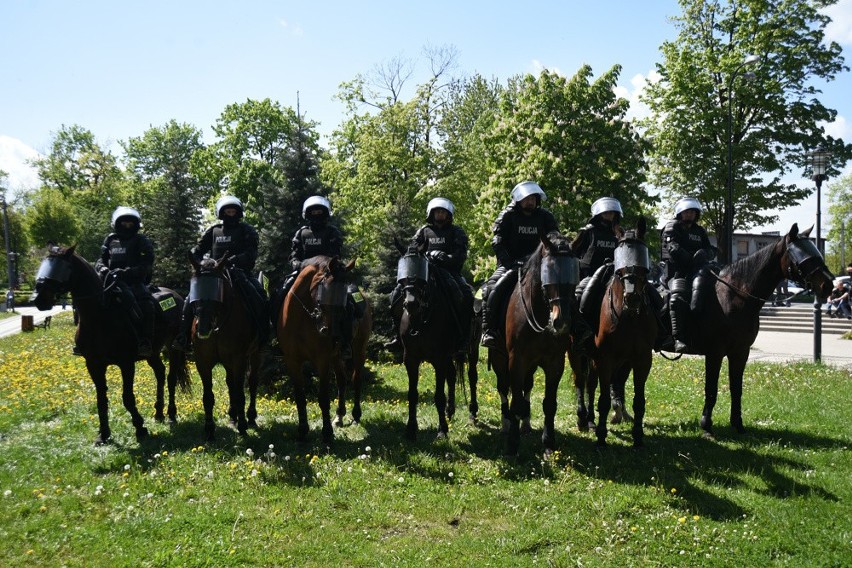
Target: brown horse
{"x":105,"y":336}
{"x":223,"y":332}
{"x":305,"y":327}
{"x":537,"y":335}
{"x":430,"y":331}
{"x":730,"y":317}
{"x":626,"y":328}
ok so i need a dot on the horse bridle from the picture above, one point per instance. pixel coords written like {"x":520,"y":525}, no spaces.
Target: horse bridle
{"x":63,"y":279}
{"x":627,"y":270}
{"x":529,"y":314}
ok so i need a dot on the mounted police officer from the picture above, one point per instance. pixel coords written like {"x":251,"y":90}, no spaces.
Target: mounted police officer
{"x":128,"y":258}
{"x":595,"y":243}
{"x":318,"y":237}
{"x":686,"y":250}
{"x":445,"y":245}
{"x":517,"y":233}
{"x":236,"y":240}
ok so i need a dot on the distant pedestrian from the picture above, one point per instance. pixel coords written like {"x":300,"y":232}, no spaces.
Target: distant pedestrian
{"x":10,"y":301}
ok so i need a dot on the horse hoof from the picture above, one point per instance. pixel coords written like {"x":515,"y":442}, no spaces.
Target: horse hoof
{"x":472,"y":420}
{"x":141,"y":434}
{"x":441,"y":435}
{"x":601,"y":443}
{"x":526,"y":428}
{"x":252,"y":424}
{"x":103,"y":440}
{"x":582,"y":427}
{"x":159,"y":418}
{"x":411,"y":434}
{"x":338,"y":422}
{"x":616,"y":419}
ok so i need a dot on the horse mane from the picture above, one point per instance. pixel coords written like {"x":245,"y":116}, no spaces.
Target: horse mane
{"x":745,"y":268}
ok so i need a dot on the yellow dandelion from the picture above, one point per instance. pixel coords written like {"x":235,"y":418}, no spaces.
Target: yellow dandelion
{"x":673,"y":490}
{"x":682,"y":520}
{"x":695,"y":517}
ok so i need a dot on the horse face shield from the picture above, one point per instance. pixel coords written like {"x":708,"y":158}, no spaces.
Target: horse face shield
{"x":206,"y":294}
{"x":808,"y":267}
{"x":632,"y":264}
{"x":53,"y":275}
{"x":412,"y":272}
{"x":559,"y":276}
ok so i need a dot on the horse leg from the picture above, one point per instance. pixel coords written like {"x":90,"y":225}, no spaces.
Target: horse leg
{"x":208,"y":399}
{"x":472,"y":380}
{"x":128,"y":398}
{"x":236,"y":379}
{"x":251,"y":412}
{"x":616,"y":390}
{"x":580,"y":374}
{"x":549,"y":404}
{"x":340,"y":374}
{"x":604,"y":402}
{"x":98,"y":374}
{"x":450,"y":377}
{"x":736,"y":367}
{"x":712,"y":366}
{"x":441,"y":381}
{"x":526,"y":427}
{"x":325,"y":404}
{"x":299,"y":376}
{"x":412,"y":367}
{"x":354,"y":370}
{"x":159,"y":369}
{"x":519,"y":408}
{"x":640,"y":377}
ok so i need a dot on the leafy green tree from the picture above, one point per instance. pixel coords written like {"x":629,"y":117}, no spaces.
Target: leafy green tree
{"x":89,"y":180}
{"x":572,"y":138}
{"x":169,"y":195}
{"x":270,"y":157}
{"x":839,"y":234}
{"x":776,"y":119}
{"x":51,"y":218}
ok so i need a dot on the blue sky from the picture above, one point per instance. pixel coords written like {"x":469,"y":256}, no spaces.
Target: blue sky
{"x":118,"y":68}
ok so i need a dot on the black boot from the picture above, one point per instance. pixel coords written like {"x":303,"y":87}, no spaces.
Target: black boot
{"x":395,"y":344}
{"x":182,"y":340}
{"x":679,"y":312}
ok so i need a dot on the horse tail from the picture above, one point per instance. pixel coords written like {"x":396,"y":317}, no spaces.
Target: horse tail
{"x":179,"y":370}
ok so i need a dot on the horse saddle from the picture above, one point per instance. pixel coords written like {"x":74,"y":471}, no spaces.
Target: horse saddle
{"x":165,"y":302}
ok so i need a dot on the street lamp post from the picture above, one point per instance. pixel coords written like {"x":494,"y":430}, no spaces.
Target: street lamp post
{"x":9,"y":267}
{"x":729,"y":202}
{"x":819,"y":165}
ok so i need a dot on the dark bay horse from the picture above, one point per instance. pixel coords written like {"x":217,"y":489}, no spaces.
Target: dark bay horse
{"x":626,"y":328}
{"x":304,"y":329}
{"x":430,"y":330}
{"x":730,"y":318}
{"x":537,"y":329}
{"x":105,"y":336}
{"x":223,"y":332}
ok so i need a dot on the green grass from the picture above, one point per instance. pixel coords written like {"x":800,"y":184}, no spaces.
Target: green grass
{"x":780,"y":495}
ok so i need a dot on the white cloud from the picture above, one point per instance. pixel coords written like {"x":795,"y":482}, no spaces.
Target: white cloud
{"x":14,"y":155}
{"x":840,"y":27}
{"x":538,"y":67}
{"x":295,"y":30}
{"x":638,"y":82}
{"x":840,"y":128}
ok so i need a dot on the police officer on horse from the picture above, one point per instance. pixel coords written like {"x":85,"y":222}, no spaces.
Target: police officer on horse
{"x":686,"y":250}
{"x":126,"y":261}
{"x":445,"y":245}
{"x":596,"y":242}
{"x":237,"y":241}
{"x":318,"y":238}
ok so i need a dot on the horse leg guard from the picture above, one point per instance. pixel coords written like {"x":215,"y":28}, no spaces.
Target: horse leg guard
{"x":679,"y":312}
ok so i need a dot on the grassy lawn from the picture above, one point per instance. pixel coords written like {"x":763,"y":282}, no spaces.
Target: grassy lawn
{"x":779,"y":495}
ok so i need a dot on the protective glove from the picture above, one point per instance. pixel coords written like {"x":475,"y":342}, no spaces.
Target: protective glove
{"x":295,"y":264}
{"x":102,"y":272}
{"x":437,"y":256}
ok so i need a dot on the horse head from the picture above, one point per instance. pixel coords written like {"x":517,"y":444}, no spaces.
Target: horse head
{"x":412,"y":272}
{"x":207,"y":293}
{"x":330,"y":290}
{"x":632,"y":265}
{"x":559,"y":271}
{"x":56,"y":275}
{"x":803,"y":263}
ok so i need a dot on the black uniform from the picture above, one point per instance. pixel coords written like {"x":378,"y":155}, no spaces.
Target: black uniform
{"x":129,"y":258}
{"x":313,"y":240}
{"x":595,"y":246}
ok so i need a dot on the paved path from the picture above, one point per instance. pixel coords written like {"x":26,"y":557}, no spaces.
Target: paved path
{"x":10,"y":325}
{"x":774,"y":346}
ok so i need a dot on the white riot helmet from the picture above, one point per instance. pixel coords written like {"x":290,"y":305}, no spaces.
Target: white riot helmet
{"x":685,"y":203}
{"x":605,"y":204}
{"x":228,"y":201}
{"x":123,"y":211}
{"x":315,"y":201}
{"x":440,"y":203}
{"x":525,"y":189}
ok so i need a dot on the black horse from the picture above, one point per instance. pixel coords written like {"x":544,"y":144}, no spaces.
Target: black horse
{"x":430,"y":330}
{"x":537,"y":334}
{"x":105,"y":335}
{"x":730,"y":316}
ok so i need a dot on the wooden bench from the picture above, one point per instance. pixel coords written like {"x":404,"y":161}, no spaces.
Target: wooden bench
{"x":44,"y":324}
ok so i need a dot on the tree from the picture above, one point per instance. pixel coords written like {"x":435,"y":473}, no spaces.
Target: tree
{"x":269,"y":156}
{"x":571,"y":137}
{"x":88,"y":179}
{"x":50,"y":218}
{"x":775,"y":119}
{"x":169,"y":194}
{"x":839,"y":235}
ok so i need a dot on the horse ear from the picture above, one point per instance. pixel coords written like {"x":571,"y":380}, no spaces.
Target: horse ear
{"x":349,"y":265}
{"x":70,"y":250}
{"x":794,"y":231}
